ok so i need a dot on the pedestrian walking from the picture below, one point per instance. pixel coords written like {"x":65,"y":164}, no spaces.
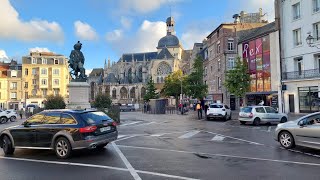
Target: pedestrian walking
{"x":199,"y":109}
{"x":206,"y":109}
{"x":21,"y":113}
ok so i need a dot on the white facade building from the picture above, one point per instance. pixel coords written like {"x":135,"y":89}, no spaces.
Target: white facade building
{"x":300,"y":62}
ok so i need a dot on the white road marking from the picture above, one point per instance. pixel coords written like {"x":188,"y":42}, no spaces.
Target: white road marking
{"x":130,"y":123}
{"x":121,"y":136}
{"x":251,"y":142}
{"x":94,"y":166}
{"x":145,"y":124}
{"x":269,"y":129}
{"x":256,"y":128}
{"x":132,"y":171}
{"x":225,"y":155}
{"x":189,"y":134}
{"x":162,"y":134}
{"x":124,"y":138}
{"x":217,"y":138}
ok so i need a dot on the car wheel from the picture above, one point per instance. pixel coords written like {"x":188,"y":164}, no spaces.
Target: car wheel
{"x":3,"y":119}
{"x":286,"y":140}
{"x":256,"y":122}
{"x":283,"y":120}
{"x":62,"y":148}
{"x":13,"y":118}
{"x":230,"y":116}
{"x":7,"y":146}
{"x":242,"y":122}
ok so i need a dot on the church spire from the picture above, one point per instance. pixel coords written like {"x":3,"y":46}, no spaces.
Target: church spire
{"x":109,"y":62}
{"x":170,"y":25}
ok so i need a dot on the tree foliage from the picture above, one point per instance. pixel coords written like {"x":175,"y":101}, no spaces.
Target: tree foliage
{"x":237,"y":79}
{"x":150,"y":91}
{"x":102,"y":101}
{"x":54,"y":102}
{"x":195,"y":85}
{"x":172,"y":84}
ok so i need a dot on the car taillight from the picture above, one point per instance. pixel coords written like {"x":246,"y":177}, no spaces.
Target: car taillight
{"x":114,"y":123}
{"x":88,"y":129}
{"x":251,"y":115}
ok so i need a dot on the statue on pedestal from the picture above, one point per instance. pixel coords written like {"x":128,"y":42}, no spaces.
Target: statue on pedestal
{"x":76,"y":63}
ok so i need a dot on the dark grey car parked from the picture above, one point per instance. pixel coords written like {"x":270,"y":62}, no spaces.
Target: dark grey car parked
{"x":61,"y":131}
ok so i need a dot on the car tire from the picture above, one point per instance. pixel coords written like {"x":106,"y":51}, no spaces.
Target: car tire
{"x":286,"y":140}
{"x":256,"y":121}
{"x":283,"y":120}
{"x":3,"y":119}
{"x":7,"y":146}
{"x":230,"y":116}
{"x":13,"y":118}
{"x":242,"y":122}
{"x":62,"y":148}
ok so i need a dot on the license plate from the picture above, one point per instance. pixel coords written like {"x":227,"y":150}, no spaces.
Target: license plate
{"x":105,"y":129}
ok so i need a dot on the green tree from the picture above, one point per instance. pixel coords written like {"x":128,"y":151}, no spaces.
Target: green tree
{"x":195,"y":85}
{"x":172,"y":84}
{"x":54,"y":102}
{"x":151,"y":91}
{"x":237,"y":79}
{"x":102,"y":101}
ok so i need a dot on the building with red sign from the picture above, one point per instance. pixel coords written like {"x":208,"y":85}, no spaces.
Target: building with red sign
{"x":259,"y":48}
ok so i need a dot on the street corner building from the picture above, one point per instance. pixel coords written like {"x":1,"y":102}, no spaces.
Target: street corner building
{"x":125,"y":80}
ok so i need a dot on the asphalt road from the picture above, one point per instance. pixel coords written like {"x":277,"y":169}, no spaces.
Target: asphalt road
{"x":171,"y":147}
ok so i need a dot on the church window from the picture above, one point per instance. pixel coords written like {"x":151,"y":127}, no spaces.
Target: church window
{"x":114,"y":93}
{"x":163,"y":69}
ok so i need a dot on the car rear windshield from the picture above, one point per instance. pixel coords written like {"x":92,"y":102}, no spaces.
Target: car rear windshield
{"x":94,"y":117}
{"x":216,"y":106}
{"x":246,"y":109}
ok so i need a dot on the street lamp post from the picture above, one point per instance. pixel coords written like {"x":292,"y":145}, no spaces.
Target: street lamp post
{"x":310,"y":41}
{"x":181,"y":95}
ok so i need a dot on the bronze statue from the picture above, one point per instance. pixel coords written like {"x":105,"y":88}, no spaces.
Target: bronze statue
{"x":76,"y":63}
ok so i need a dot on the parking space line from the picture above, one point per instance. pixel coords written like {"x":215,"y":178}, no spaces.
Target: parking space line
{"x":269,"y":129}
{"x":250,"y":142}
{"x":166,"y":175}
{"x":224,"y":155}
{"x":130,"y":123}
{"x":145,"y":124}
{"x":132,"y":171}
{"x":217,"y":138}
{"x":189,"y":134}
{"x":162,"y":134}
{"x":124,"y":138}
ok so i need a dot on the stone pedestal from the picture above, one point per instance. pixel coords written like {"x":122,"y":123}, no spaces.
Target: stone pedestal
{"x":78,"y":95}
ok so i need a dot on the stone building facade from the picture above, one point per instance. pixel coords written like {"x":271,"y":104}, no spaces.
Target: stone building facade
{"x":125,"y":80}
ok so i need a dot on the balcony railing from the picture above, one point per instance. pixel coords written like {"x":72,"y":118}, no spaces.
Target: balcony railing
{"x":306,"y":74}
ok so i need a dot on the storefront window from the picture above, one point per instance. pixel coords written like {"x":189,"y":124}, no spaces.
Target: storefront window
{"x":309,"y":100}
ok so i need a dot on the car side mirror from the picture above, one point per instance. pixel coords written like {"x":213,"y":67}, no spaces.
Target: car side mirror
{"x":26,"y":124}
{"x":277,"y":111}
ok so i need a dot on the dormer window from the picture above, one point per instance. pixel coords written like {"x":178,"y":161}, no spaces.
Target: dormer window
{"x":56,"y":61}
{"x":44,"y":61}
{"x":34,"y":61}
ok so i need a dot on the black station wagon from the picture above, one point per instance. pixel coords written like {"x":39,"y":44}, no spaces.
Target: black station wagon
{"x":61,"y":131}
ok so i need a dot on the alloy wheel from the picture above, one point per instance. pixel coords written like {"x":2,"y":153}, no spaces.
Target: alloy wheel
{"x":286,"y":140}
{"x":62,"y":148}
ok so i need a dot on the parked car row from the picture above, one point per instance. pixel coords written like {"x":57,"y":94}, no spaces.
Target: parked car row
{"x":6,"y":115}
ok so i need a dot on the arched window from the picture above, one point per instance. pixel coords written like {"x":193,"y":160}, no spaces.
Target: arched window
{"x":123,"y":93}
{"x":133,"y":92}
{"x":140,"y":74}
{"x":158,"y":80}
{"x":143,"y":92}
{"x":107,"y":91}
{"x":161,"y":79}
{"x":130,"y":75}
{"x":163,"y":69}
{"x":114,"y":93}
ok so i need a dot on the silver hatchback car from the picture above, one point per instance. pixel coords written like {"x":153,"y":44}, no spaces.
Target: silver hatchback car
{"x":261,"y":114}
{"x":304,"y":131}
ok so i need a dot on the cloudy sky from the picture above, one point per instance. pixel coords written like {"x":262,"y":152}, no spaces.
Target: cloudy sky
{"x":108,"y":28}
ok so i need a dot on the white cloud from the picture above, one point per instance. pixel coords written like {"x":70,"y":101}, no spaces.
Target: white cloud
{"x":39,"y":49}
{"x":84,"y":31}
{"x":192,"y":36}
{"x":143,"y":6}
{"x":3,"y":54}
{"x":12,"y":27}
{"x":144,"y":40}
{"x":114,"y":35}
{"x":125,"y":22}
{"x":88,"y":71}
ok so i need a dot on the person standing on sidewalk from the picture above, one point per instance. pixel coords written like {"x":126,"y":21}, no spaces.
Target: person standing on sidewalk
{"x":199,"y":109}
{"x":21,"y":113}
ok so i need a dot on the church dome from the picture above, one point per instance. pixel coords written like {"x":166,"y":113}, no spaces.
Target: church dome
{"x":168,"y":41}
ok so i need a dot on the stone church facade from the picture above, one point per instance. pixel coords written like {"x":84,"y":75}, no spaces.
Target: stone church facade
{"x":125,"y":80}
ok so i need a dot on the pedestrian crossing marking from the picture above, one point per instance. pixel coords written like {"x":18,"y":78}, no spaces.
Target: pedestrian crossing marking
{"x":189,"y":134}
